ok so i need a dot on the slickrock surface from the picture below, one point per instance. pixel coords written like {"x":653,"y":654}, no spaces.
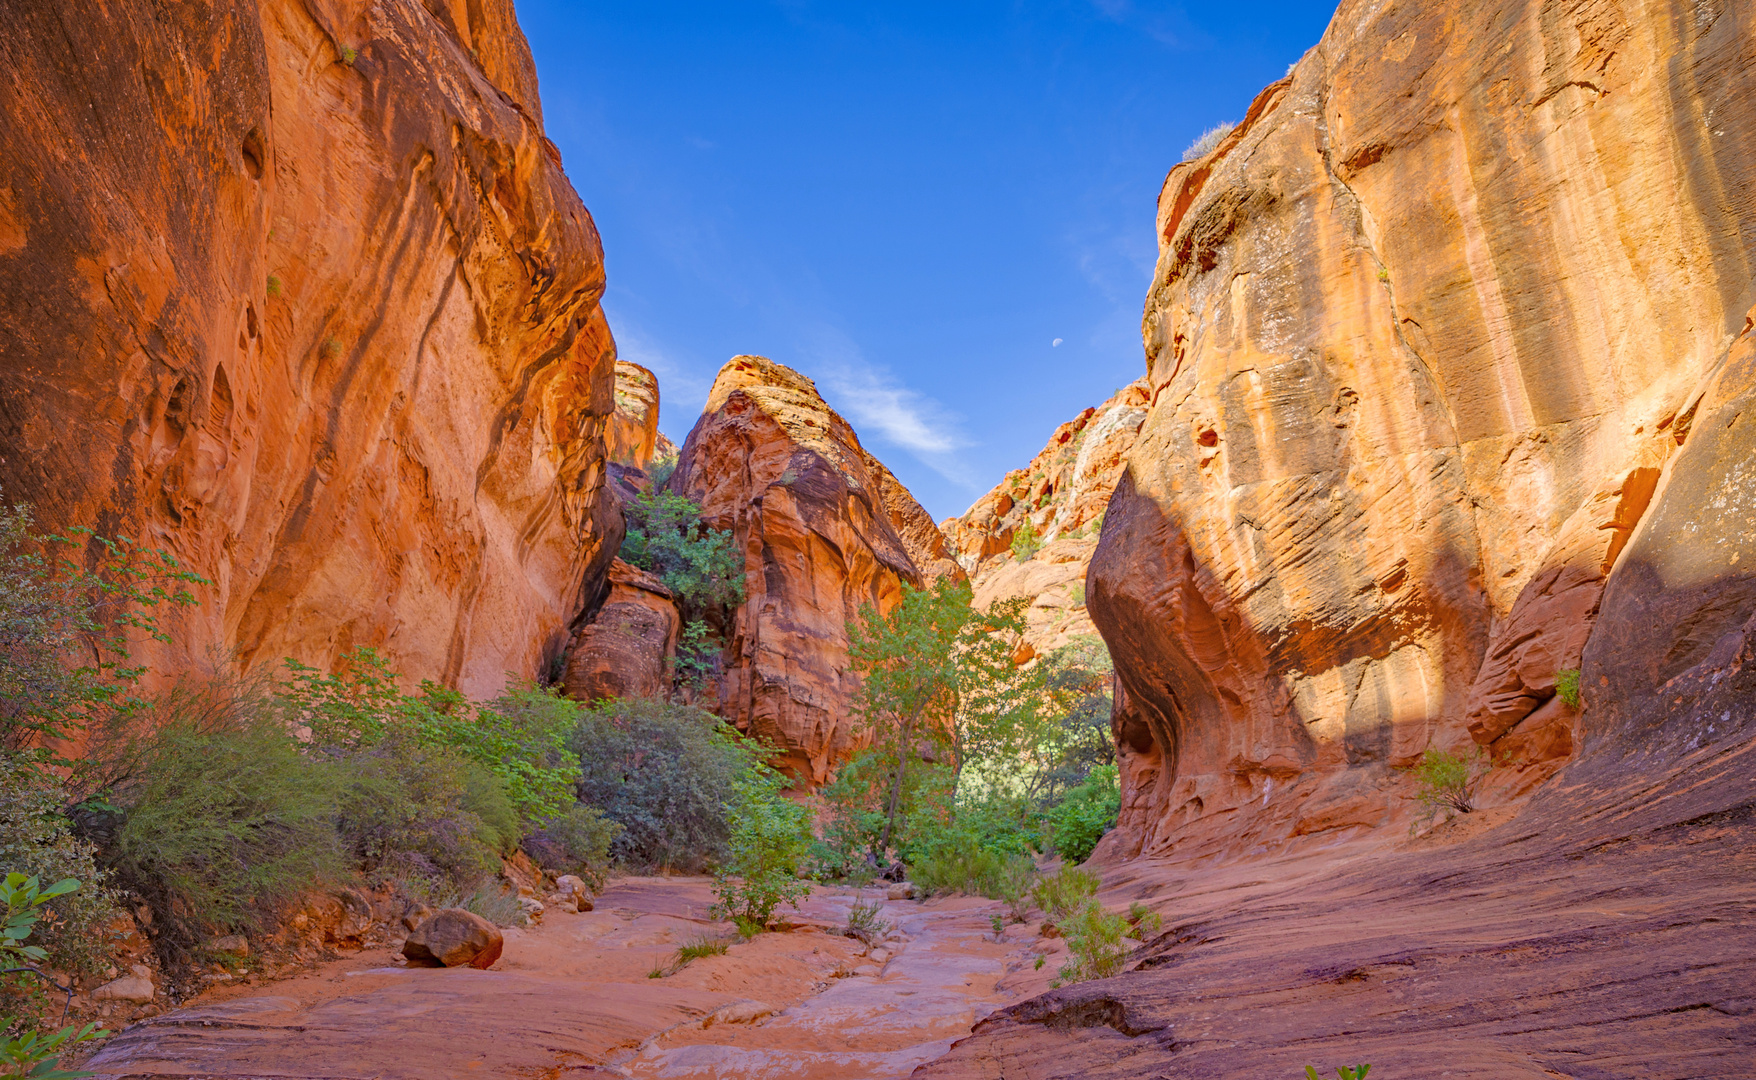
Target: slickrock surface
{"x":1427,"y":329}
{"x":299,"y":292}
{"x":571,"y":997}
{"x":824,"y":529}
{"x":632,"y":435}
{"x":1061,"y":496}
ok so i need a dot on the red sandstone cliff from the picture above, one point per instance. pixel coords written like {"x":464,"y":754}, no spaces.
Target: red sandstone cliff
{"x":1061,"y":497}
{"x":299,"y":292}
{"x":1452,"y":364}
{"x":631,"y":436}
{"x":824,"y":529}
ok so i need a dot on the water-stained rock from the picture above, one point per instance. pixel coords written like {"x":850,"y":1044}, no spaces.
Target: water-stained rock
{"x":300,"y":293}
{"x":1425,"y":329}
{"x":824,"y":530}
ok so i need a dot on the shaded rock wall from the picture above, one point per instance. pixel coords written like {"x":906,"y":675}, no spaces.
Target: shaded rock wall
{"x":1426,"y":328}
{"x":299,"y":292}
{"x":1061,"y":496}
{"x":824,"y":530}
{"x":629,"y":648}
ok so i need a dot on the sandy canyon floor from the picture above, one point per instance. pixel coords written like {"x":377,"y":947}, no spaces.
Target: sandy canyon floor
{"x":572,"y":997}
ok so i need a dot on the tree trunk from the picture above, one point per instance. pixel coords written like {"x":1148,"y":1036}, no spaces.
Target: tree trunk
{"x":896,"y":788}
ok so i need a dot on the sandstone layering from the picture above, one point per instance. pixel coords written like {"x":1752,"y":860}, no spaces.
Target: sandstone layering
{"x":824,"y":530}
{"x":308,"y":303}
{"x":1060,"y":497}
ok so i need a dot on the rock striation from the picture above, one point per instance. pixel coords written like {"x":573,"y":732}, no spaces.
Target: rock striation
{"x":631,"y":435}
{"x":1426,"y":328}
{"x":1054,"y":508}
{"x":299,"y":293}
{"x":825,"y":530}
{"x":629,"y":649}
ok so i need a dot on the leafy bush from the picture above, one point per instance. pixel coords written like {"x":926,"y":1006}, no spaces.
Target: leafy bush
{"x":1358,"y":1072}
{"x":1094,"y":943}
{"x":221,"y":821}
{"x":1079,"y":821}
{"x":1025,"y":542}
{"x":769,"y":837}
{"x":865,"y":924}
{"x":697,"y":655}
{"x":1143,"y":921}
{"x":663,"y":772}
{"x":1567,"y":686}
{"x":578,"y":842}
{"x":409,"y":810}
{"x":1446,"y":783}
{"x":36,"y":839}
{"x":1063,"y":893}
{"x":1208,"y":140}
{"x":31,"y":1053}
{"x":665,"y":536}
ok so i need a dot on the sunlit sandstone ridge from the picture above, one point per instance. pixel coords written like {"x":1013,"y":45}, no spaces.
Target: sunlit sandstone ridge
{"x":307,"y":301}
{"x":1427,"y":329}
{"x":824,"y":529}
{"x":1060,"y":497}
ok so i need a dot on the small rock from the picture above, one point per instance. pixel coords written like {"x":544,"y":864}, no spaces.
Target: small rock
{"x":878,"y":956}
{"x":233,"y":944}
{"x":531,"y":906}
{"x":869,"y":971}
{"x":739,"y":1012}
{"x":455,"y":938}
{"x":415,"y":914}
{"x":902,"y":890}
{"x":127,"y":988}
{"x":571,"y":885}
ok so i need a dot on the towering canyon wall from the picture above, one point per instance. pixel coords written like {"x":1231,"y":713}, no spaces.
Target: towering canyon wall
{"x":1427,"y":330}
{"x":1055,"y":506}
{"x":824,"y":530}
{"x":298,"y":292}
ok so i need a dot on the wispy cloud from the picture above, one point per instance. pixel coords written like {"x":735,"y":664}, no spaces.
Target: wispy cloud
{"x":885,"y":410}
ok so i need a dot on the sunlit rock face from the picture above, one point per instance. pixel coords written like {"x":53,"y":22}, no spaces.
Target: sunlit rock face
{"x":824,"y":530}
{"x":1427,"y":330}
{"x":1060,"y":497}
{"x":299,"y":292}
{"x":631,"y":436}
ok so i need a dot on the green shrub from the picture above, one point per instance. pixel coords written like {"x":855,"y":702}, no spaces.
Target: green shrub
{"x":974,"y":871}
{"x":578,"y":842}
{"x":1077,"y":594}
{"x":31,"y":1053}
{"x":865,"y":924}
{"x":701,"y":947}
{"x":659,"y":472}
{"x":1567,"y":686}
{"x":220,"y":821}
{"x":1358,"y":1072}
{"x":521,"y":737}
{"x":38,"y":840}
{"x":1064,"y":892}
{"x":1079,"y":821}
{"x":1025,"y":542}
{"x":494,"y":901}
{"x":769,"y":837}
{"x":665,"y":536}
{"x":273,"y":286}
{"x":697,"y":655}
{"x":663,"y":772}
{"x":1446,"y":783}
{"x":411,"y":811}
{"x":1094,"y":943}
{"x":1143,"y":921}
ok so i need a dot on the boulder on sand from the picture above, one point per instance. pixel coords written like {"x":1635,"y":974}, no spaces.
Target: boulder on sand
{"x":455,"y":938}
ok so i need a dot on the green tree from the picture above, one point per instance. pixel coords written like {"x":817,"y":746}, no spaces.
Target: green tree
{"x":667,"y":537}
{"x":935,"y":669}
{"x":769,"y":837}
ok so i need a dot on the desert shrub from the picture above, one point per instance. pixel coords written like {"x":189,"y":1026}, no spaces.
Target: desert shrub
{"x":1079,"y":821}
{"x":1567,"y":686}
{"x":698,"y":655}
{"x":1064,"y":892}
{"x":1344,"y":1072}
{"x":409,"y":809}
{"x":1205,"y":143}
{"x":1077,"y":594}
{"x":663,"y":772}
{"x":666,"y":536}
{"x":520,"y":737}
{"x":974,"y":871}
{"x":865,"y":924}
{"x":494,"y":901}
{"x":1446,"y":783}
{"x":1094,"y":943}
{"x":769,"y":838}
{"x":659,"y":472}
{"x":24,"y":1052}
{"x":220,"y":821}
{"x":1143,"y":921}
{"x":37,"y":840}
{"x":577,"y":842}
{"x":1025,"y":542}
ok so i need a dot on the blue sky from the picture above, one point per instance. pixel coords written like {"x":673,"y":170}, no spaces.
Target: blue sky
{"x":910,"y":203}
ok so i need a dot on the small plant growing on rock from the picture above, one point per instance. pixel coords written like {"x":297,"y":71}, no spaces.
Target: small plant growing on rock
{"x":1447,"y":783}
{"x":699,"y":948}
{"x":273,"y":285}
{"x":864,"y":924}
{"x":997,"y":926}
{"x":1094,"y":944}
{"x":331,"y":348}
{"x":1065,"y":892}
{"x":1567,"y":686}
{"x":1343,"y":1072}
{"x":1143,"y":921}
{"x":1025,"y":542}
{"x":349,"y":54}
